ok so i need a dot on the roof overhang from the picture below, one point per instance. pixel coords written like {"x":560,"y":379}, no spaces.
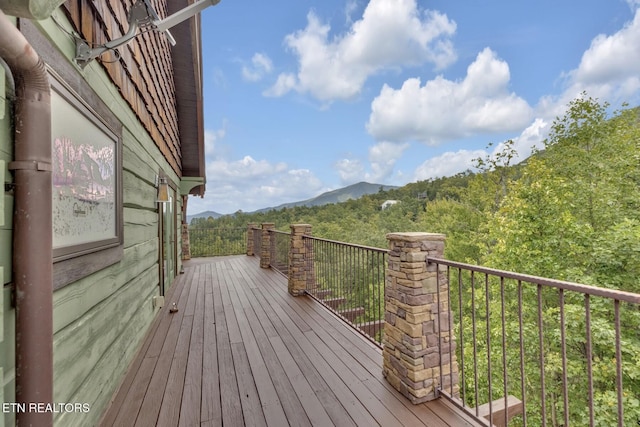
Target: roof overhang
{"x":187,"y":64}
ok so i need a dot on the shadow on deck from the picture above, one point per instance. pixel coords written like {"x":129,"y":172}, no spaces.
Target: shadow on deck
{"x":242,"y":351}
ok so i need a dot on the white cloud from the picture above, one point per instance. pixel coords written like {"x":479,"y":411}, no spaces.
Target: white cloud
{"x":260,"y":66}
{"x":391,"y":33}
{"x":219,"y":78}
{"x":447,"y":164}
{"x":530,"y":138}
{"x":245,"y":170}
{"x":612,"y":58}
{"x":443,"y":110}
{"x":349,"y":170}
{"x":212,"y":149}
{"x":251,"y":184}
{"x":452,"y":162}
{"x":382,"y":160}
{"x":383,"y":157}
{"x":284,"y":84}
{"x":350,"y":8}
{"x":608,"y":70}
{"x":247,"y":183}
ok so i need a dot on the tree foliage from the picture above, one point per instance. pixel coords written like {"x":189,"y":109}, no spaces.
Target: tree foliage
{"x":571,"y":211}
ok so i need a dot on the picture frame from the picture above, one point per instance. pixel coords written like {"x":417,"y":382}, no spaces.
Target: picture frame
{"x":86,"y":178}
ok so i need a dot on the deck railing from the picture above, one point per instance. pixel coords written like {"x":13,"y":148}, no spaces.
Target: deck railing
{"x":563,"y":349}
{"x":513,"y":349}
{"x":349,"y":280}
{"x":206,"y":242}
{"x":279,"y":259}
{"x":256,"y":241}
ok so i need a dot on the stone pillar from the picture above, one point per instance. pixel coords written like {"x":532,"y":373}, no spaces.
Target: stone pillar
{"x":301,"y":271}
{"x":416,"y":329}
{"x":265,"y":248}
{"x":250,"y":232}
{"x":186,"y":244}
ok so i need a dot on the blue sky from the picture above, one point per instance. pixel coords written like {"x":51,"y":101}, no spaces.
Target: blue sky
{"x":303,"y":97}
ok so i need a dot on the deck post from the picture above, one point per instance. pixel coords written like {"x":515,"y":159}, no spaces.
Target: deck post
{"x":250,"y":227}
{"x":265,"y":249}
{"x":186,"y":244}
{"x":416,"y":329}
{"x":301,"y":272}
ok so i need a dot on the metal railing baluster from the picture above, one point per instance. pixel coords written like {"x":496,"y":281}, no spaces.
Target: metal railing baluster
{"x":554,"y":387}
{"x":352,"y":278}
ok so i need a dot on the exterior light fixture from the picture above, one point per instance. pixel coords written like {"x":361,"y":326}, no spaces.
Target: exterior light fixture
{"x":163,"y":191}
{"x":141,"y":17}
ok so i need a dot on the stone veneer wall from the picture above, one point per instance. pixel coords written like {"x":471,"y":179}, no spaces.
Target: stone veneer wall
{"x":250,"y":237}
{"x":301,"y":271}
{"x":186,"y":244}
{"x":417,"y":314}
{"x":265,"y":249}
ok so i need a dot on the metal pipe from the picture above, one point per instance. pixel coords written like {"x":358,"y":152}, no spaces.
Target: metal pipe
{"x":32,"y":225}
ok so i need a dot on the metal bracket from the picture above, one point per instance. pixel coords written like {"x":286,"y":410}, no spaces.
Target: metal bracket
{"x":30,"y":165}
{"x":139,"y":17}
{"x":143,"y":17}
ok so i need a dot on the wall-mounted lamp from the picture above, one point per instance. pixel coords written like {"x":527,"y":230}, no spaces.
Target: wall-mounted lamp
{"x":141,"y":16}
{"x":163,"y":190}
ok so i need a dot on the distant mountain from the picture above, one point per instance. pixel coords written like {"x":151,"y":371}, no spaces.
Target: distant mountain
{"x":205,"y":214}
{"x":354,"y":191}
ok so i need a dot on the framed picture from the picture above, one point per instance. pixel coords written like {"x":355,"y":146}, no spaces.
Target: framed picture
{"x":87,"y":200}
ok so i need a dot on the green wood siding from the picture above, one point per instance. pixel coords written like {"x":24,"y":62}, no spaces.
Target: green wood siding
{"x":100,"y":320}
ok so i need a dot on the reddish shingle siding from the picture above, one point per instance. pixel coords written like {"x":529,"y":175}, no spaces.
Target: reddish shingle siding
{"x":143,"y":73}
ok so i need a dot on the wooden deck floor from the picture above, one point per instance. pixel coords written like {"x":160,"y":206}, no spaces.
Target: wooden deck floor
{"x":242,"y":351}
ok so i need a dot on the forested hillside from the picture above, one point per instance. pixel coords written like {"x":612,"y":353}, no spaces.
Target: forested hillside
{"x":359,"y":221}
{"x":571,"y":212}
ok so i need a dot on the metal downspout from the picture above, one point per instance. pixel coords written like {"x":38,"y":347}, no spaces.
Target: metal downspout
{"x":32,"y":227}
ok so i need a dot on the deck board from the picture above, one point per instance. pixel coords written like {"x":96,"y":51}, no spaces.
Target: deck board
{"x":210,"y":405}
{"x":242,"y":351}
{"x":273,"y":412}
{"x":229,"y":393}
{"x":192,"y":393}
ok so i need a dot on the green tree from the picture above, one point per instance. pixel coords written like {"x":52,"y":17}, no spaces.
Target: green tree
{"x":573,"y":215}
{"x":461,"y":224}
